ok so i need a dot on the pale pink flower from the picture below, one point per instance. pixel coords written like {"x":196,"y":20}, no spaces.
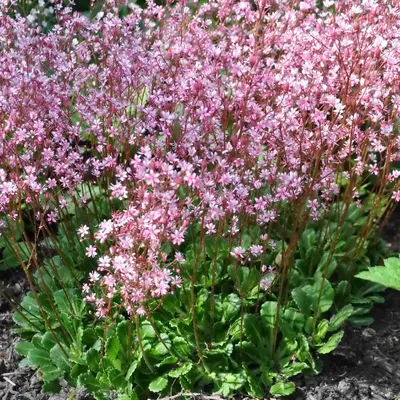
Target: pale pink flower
{"x":83,"y":231}
{"x":91,"y":251}
{"x":238,"y":252}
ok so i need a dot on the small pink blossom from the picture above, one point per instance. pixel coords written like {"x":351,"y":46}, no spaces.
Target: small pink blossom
{"x":179,"y":258}
{"x":256,"y":249}
{"x":52,"y":217}
{"x":94,"y":276}
{"x":91,"y":251}
{"x":396,"y":195}
{"x":83,"y":231}
{"x":178,"y":237}
{"x":238,"y":252}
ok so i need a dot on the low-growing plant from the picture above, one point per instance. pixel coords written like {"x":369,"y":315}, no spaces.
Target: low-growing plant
{"x":199,"y":185}
{"x":247,"y":342}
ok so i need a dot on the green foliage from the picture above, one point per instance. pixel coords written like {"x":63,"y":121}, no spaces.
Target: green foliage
{"x":13,"y":249}
{"x":249,"y":340}
{"x":388,"y":275}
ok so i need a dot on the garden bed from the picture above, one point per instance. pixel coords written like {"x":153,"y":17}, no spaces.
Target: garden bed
{"x":365,"y":366}
{"x":197,"y":190}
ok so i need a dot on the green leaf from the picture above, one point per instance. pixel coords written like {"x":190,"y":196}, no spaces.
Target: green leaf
{"x":50,"y":372}
{"x":172,"y":304}
{"x":282,"y":389}
{"x":360,"y":320}
{"x":48,"y":341}
{"x":322,"y":330}
{"x":338,"y":320}
{"x":62,"y":302}
{"x":93,"y":385}
{"x":253,"y":329}
{"x":320,"y":303}
{"x":23,"y":348}
{"x":113,"y":346}
{"x":133,"y":367}
{"x":332,"y":343}
{"x":29,"y":318}
{"x":254,"y":386}
{"x":248,"y":279}
{"x":302,"y":300}
{"x":147,"y":331}
{"x":162,"y":348}
{"x":170,"y":360}
{"x":230,"y":307}
{"x":388,"y":276}
{"x":9,"y":257}
{"x":93,"y":360}
{"x":250,"y":351}
{"x":227,"y":383}
{"x":181,"y":346}
{"x":267,"y":376}
{"x":182,"y":370}
{"x":89,"y":337}
{"x":293,"y":369}
{"x":52,"y":387}
{"x":342,"y":292}
{"x":295,"y":319}
{"x":59,"y":358}
{"x":39,"y":358}
{"x":326,"y":266}
{"x":268,"y":314}
{"x":268,"y":318}
{"x":158,"y":384}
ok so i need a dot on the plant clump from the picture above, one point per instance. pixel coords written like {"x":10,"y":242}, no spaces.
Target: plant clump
{"x":192,"y":188}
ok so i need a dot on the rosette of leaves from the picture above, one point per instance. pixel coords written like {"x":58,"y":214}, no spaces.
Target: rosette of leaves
{"x":222,"y":335}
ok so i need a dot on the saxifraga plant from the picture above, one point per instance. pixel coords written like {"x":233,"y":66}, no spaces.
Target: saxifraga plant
{"x":216,"y":174}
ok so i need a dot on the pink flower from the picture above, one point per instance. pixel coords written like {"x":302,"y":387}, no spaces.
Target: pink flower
{"x":83,"y":231}
{"x":304,"y":6}
{"x":86,"y":288}
{"x":256,"y":249}
{"x":178,"y":237}
{"x":179,"y":258}
{"x":94,"y":276}
{"x":264,"y":268}
{"x":265,"y":283}
{"x":192,"y":179}
{"x":52,"y":217}
{"x":91,"y":251}
{"x":141,"y":311}
{"x":238,"y":252}
{"x":109,"y":281}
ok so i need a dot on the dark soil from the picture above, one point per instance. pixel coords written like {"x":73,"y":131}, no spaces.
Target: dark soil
{"x":18,"y":383}
{"x":366,"y":365}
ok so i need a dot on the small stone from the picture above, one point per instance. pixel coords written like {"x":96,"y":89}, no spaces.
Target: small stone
{"x":368,"y":333}
{"x":35,"y":380}
{"x":57,"y":397}
{"x":17,"y":289}
{"x":344,"y":387}
{"x":82,"y":394}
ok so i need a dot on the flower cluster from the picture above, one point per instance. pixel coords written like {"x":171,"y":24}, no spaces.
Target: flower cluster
{"x":216,"y":113}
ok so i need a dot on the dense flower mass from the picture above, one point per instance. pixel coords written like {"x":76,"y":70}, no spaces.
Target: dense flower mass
{"x":218,"y":114}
